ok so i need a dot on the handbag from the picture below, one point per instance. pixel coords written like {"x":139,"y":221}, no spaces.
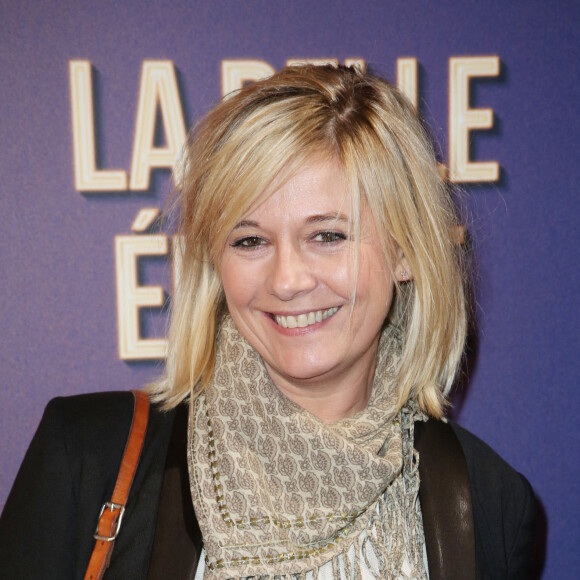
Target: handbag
{"x":111,"y":516}
{"x":445,"y":497}
{"x":444,"y":494}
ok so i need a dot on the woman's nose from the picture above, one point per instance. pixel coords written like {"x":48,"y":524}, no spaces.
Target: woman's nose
{"x":291,"y":275}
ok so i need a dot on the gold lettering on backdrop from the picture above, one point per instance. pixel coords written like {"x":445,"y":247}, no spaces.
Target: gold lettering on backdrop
{"x":463,"y":120}
{"x":356,"y":62}
{"x":314,"y":61}
{"x":145,"y":219}
{"x":359,"y":63}
{"x":407,"y":78}
{"x":131,"y":296}
{"x":237,"y":72}
{"x":158,"y":91}
{"x":159,"y":109}
{"x":87,"y":177}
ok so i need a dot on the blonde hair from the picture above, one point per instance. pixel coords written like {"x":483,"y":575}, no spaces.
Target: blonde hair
{"x":268,"y":129}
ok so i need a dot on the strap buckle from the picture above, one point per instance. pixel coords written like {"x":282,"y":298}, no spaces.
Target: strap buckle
{"x":112,"y":521}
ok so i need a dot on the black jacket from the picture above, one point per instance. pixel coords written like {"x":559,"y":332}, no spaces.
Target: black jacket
{"x":70,"y":469}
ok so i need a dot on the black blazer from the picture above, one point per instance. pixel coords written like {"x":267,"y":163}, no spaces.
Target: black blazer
{"x":70,"y":469}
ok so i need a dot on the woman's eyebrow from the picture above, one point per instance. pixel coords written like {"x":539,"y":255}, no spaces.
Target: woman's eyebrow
{"x":246,"y":224}
{"x":327,"y":217}
{"x":313,"y":219}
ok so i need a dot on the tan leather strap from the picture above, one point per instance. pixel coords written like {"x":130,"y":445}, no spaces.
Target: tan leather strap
{"x":112,"y":512}
{"x":445,"y":498}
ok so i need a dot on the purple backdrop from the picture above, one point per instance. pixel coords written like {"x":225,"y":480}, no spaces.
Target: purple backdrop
{"x":58,"y":299}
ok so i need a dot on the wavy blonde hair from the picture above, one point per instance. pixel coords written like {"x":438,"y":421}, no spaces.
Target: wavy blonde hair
{"x":267,"y":130}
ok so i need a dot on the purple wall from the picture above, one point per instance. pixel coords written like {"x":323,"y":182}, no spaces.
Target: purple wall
{"x":58,"y":304}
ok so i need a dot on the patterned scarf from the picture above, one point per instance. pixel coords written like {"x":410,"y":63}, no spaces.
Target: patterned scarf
{"x":278,"y":492}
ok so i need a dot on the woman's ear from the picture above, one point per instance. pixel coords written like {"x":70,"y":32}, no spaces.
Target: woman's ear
{"x":403,"y":270}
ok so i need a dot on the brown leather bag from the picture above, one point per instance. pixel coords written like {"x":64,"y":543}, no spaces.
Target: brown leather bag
{"x":111,"y":515}
{"x":445,"y":497}
{"x":444,"y":494}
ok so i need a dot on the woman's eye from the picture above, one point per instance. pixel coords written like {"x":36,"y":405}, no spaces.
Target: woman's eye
{"x":329,"y":237}
{"x":249,"y":242}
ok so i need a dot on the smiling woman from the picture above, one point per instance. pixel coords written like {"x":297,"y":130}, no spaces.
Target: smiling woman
{"x":368,"y":136}
{"x":288,"y":273}
{"x":317,"y":327}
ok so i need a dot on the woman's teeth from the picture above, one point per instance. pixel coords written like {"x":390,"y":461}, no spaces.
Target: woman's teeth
{"x":303,"y":320}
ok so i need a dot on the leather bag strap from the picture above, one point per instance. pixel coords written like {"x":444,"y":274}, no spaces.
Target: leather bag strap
{"x":445,"y":497}
{"x":112,"y":511}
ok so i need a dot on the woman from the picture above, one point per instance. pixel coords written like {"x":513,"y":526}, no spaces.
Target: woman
{"x":319,"y":320}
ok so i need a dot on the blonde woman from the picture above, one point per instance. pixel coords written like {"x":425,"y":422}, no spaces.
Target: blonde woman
{"x":317,"y":327}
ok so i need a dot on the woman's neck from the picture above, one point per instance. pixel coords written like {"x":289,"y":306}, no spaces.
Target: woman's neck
{"x":330,"y":398}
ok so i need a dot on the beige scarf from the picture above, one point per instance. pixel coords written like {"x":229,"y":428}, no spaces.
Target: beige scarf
{"x":278,"y":492}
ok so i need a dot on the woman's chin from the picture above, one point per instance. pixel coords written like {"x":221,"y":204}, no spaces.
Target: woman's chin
{"x":300,"y":372}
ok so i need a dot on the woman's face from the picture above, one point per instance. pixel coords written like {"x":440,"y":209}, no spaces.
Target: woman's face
{"x":288,"y":273}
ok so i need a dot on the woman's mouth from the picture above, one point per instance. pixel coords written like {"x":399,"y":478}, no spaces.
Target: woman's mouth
{"x":307,"y":319}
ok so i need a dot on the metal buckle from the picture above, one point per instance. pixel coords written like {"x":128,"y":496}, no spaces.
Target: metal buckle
{"x":112,"y":506}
